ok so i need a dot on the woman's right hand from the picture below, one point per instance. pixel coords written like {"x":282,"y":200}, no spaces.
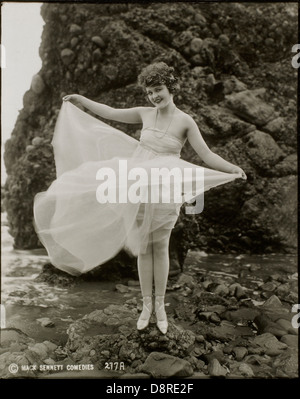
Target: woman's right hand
{"x":74,"y":98}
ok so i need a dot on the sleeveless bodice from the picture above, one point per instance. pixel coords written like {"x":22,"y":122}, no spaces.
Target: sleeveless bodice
{"x":160,"y":143}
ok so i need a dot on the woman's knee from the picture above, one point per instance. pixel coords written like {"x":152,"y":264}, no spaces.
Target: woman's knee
{"x":161,"y":247}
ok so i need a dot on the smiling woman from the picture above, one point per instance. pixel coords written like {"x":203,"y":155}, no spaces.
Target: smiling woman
{"x":21,"y":25}
{"x":81,"y":230}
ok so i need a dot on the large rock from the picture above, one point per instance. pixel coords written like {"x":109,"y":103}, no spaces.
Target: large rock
{"x":162,"y":365}
{"x":247,"y":105}
{"x":98,"y":50}
{"x":110,"y":335}
{"x":263,"y":150}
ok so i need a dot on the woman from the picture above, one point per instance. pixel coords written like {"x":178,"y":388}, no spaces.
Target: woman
{"x":81,"y":233}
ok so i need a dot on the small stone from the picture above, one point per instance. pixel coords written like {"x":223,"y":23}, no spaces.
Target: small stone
{"x":37,"y":141}
{"x":160,"y":365}
{"x":215,"y":369}
{"x":269,"y":343}
{"x":269,"y":286}
{"x":74,"y":42}
{"x":97,"y":54}
{"x":246,"y":370}
{"x":50,"y":345}
{"x":37,"y":84}
{"x":272,"y":302}
{"x":224,"y":40}
{"x":45,"y":322}
{"x":67,"y":55}
{"x":29,"y":148}
{"x":122,"y":288}
{"x":222,"y":290}
{"x":99,"y":41}
{"x":240,"y":352}
{"x":200,"y":338}
{"x":40,"y":349}
{"x":195,"y":45}
{"x":75,"y":29}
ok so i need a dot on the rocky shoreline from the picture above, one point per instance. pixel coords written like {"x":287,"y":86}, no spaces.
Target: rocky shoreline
{"x":221,"y":325}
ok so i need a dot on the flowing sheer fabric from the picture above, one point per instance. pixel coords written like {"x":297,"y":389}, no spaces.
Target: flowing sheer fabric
{"x":81,"y":233}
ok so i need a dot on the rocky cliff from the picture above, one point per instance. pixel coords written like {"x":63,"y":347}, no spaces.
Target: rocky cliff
{"x":237,"y":81}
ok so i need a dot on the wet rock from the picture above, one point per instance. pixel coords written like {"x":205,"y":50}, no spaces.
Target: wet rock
{"x":67,"y":55}
{"x":291,"y":341}
{"x":261,"y":146}
{"x":269,"y":343}
{"x":275,"y":127}
{"x":187,"y":280}
{"x":239,"y":352}
{"x":233,"y":85}
{"x":227,"y":331}
{"x":287,"y":364}
{"x":247,"y":105}
{"x":122,"y":288}
{"x":246,"y":370}
{"x":221,"y":289}
{"x":240,"y":314}
{"x":287,"y":326}
{"x":273,"y":302}
{"x":37,"y":84}
{"x":208,"y":357}
{"x":215,"y":369}
{"x":13,"y":335}
{"x":265,"y":324}
{"x":115,"y":328}
{"x":45,"y":322}
{"x":287,"y":166}
{"x":161,"y":365}
{"x":237,"y":290}
{"x":269,"y":286}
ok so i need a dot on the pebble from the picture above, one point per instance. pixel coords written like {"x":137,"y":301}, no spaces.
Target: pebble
{"x":240,"y":352}
{"x":67,"y":55}
{"x":37,"y":141}
{"x":45,"y":322}
{"x":99,"y":41}
{"x":215,"y":369}
{"x":196,"y":45}
{"x":273,"y":302}
{"x":75,"y":29}
{"x":121,"y":288}
{"x":246,"y":370}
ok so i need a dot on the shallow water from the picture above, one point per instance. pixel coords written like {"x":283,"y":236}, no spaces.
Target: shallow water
{"x":27,"y":300}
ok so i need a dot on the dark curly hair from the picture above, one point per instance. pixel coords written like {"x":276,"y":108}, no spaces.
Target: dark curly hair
{"x":158,"y":73}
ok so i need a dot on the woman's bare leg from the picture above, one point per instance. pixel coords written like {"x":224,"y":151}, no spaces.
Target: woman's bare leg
{"x":161,"y":260}
{"x":146,"y":271}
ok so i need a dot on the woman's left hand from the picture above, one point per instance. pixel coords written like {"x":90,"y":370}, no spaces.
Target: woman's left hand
{"x":240,"y":171}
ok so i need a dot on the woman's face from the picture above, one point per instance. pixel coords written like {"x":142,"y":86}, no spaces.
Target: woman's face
{"x":159,"y":95}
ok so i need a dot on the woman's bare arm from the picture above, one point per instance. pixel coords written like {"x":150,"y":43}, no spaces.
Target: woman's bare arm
{"x":210,"y":158}
{"x":126,"y":115}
